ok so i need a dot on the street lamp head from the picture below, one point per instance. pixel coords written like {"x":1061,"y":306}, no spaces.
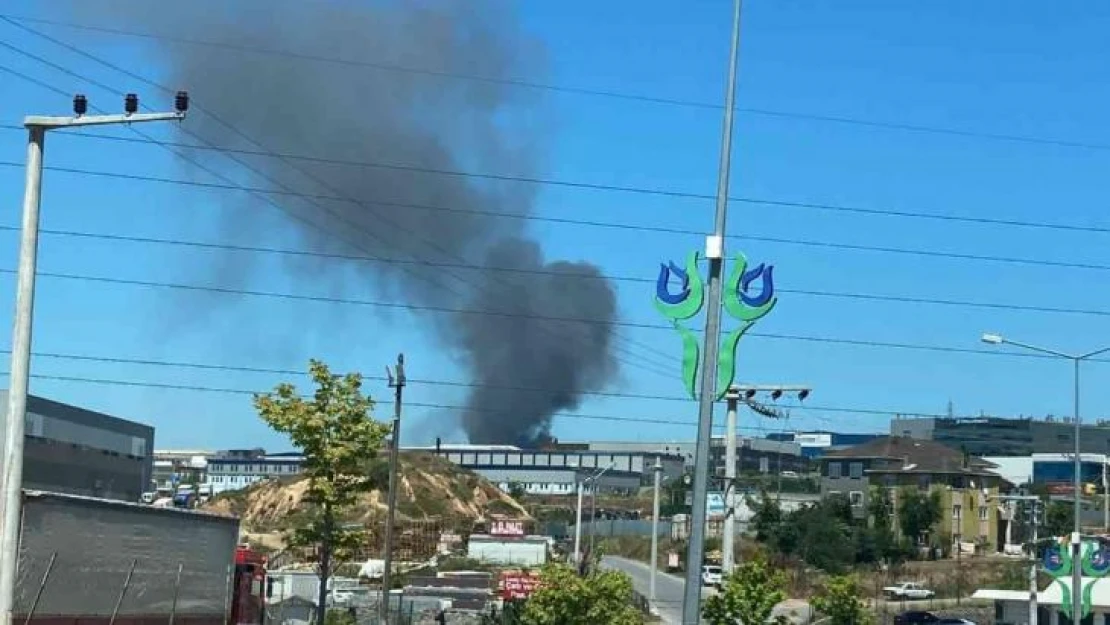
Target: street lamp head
{"x":776,"y":394}
{"x":749,"y":393}
{"x":130,"y":104}
{"x":802,"y":394}
{"x":181,"y":102}
{"x":80,"y":105}
{"x":993,"y":339}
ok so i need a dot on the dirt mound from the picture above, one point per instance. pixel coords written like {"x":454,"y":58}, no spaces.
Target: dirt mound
{"x":430,"y":488}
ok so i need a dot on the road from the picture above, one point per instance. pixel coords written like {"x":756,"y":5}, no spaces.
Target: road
{"x":668,"y":592}
{"x":668,"y":588}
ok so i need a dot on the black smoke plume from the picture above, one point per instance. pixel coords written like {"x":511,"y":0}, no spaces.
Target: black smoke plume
{"x":357,"y":111}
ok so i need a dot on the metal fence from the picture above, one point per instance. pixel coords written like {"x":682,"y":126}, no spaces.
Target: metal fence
{"x":623,"y":527}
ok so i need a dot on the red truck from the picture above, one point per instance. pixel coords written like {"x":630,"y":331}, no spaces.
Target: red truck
{"x":87,"y":561}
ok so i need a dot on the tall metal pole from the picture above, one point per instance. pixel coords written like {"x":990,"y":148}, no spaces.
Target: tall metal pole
{"x":691,"y":600}
{"x":19,"y":376}
{"x":397,"y":383}
{"x":578,"y":525}
{"x":1076,"y":568}
{"x":1105,"y":498}
{"x":727,"y":545}
{"x":658,"y":469}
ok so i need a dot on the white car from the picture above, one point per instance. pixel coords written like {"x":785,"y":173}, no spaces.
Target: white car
{"x":908,"y":590}
{"x":711,"y":575}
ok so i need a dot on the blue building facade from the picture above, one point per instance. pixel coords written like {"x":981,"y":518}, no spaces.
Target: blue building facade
{"x":816,"y":444}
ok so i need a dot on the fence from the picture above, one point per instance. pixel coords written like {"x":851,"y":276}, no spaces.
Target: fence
{"x":623,"y":527}
{"x":64,"y":588}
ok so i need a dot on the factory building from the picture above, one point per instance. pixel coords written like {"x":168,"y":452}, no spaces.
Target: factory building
{"x":72,"y":450}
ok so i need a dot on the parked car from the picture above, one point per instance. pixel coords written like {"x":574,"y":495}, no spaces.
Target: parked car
{"x":916,"y":618}
{"x":907,"y":590}
{"x":711,"y":575}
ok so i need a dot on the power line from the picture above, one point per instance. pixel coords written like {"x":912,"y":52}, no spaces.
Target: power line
{"x":616,"y":225}
{"x":240,"y":391}
{"x":604,"y":93}
{"x":447,"y":310}
{"x":818,"y":206}
{"x":643,"y":363}
{"x":876,"y":297}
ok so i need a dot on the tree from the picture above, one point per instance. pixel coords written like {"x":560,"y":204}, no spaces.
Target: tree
{"x":767,"y":516}
{"x":517,"y":491}
{"x":339,"y":440}
{"x":1059,"y":518}
{"x":565,"y":598}
{"x":839,"y":600}
{"x":748,"y":595}
{"x":918,"y":513}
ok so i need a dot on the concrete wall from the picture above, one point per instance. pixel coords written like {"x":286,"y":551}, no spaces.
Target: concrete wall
{"x":96,"y":542}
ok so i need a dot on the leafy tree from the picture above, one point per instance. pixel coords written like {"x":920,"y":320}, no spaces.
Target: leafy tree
{"x":748,"y":595}
{"x":766,"y":517}
{"x":918,"y":513}
{"x":565,"y":598}
{"x":840,"y":600}
{"x":339,"y":440}
{"x":516,"y":490}
{"x":1059,"y":518}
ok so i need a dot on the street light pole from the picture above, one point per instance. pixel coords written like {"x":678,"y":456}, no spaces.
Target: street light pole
{"x":691,"y":598}
{"x":1077,"y":569}
{"x":593,"y":504}
{"x":578,"y":523}
{"x":11,"y":477}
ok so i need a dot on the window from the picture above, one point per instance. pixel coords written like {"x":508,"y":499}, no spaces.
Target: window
{"x":957,"y":510}
{"x":983,"y":512}
{"x":923,"y":482}
{"x":856,"y":498}
{"x":855,"y":470}
{"x":834,"y":469}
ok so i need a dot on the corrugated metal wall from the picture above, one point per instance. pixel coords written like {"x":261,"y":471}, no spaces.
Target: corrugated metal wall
{"x":96,"y":543}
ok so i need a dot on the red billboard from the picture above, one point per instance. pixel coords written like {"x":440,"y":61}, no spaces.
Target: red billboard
{"x":517,"y":585}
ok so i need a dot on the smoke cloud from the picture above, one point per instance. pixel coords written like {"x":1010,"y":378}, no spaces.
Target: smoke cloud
{"x":354,"y":112}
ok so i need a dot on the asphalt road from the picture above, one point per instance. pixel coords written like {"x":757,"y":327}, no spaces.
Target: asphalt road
{"x":668,"y":588}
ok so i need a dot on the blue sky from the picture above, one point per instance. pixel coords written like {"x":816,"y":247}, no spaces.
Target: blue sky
{"x":986,"y":68}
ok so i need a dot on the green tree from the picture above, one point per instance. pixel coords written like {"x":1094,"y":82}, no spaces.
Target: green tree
{"x":766,"y":517}
{"x":748,"y":595}
{"x":840,"y":600}
{"x":918,"y":513}
{"x":1059,"y":518}
{"x":339,"y":439}
{"x":565,"y":598}
{"x":516,"y":491}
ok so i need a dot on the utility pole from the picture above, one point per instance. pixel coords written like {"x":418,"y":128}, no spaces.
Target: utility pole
{"x":714,"y":244}
{"x":397,"y":383}
{"x":658,"y":470}
{"x":746,"y":394}
{"x":11,"y":477}
{"x":1034,"y":503}
{"x":727,"y":547}
{"x":578,"y":523}
{"x":1105,"y":497}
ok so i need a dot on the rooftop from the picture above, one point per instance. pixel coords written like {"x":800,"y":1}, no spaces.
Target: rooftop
{"x":916,"y":455}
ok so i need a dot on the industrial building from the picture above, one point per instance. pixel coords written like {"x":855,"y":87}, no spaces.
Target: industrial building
{"x":75,"y":451}
{"x":997,"y":436}
{"x":815,"y":444}
{"x":239,"y":468}
{"x":755,"y":455}
{"x":557,"y":469}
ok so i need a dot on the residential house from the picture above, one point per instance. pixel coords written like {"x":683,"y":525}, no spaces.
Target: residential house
{"x":893,"y":465}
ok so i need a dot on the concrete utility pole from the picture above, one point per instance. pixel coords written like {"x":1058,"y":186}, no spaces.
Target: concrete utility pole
{"x":578,"y":522}
{"x":735,"y":395}
{"x":397,"y":383}
{"x":1034,"y":515}
{"x":714,"y":252}
{"x":11,"y":477}
{"x":658,"y":470}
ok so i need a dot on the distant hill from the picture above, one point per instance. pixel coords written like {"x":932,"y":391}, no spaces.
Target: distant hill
{"x":431,"y":488}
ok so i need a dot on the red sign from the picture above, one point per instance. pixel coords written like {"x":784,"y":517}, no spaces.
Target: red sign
{"x":517,"y":585}
{"x":506,"y":528}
